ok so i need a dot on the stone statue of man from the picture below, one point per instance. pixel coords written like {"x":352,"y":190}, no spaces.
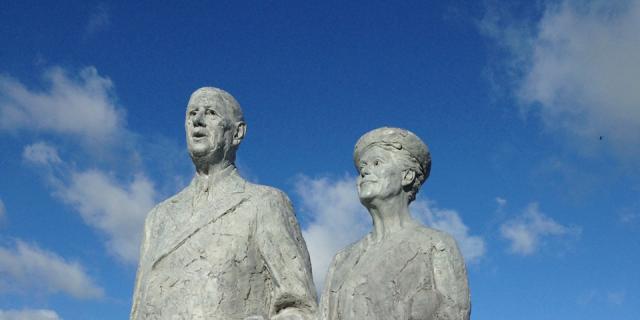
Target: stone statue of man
{"x":401,"y":269}
{"x":222,"y":248}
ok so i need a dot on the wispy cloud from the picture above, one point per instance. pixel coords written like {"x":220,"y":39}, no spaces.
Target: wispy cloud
{"x":41,"y":153}
{"x":81,"y":106}
{"x":339,"y":220}
{"x":114,"y":208}
{"x":29,"y":314}
{"x":502,"y":202}
{"x":27,"y":267}
{"x":81,"y":110}
{"x":472,"y":247}
{"x":527,"y":231}
{"x":614,"y":298}
{"x":99,"y":20}
{"x":629,"y":215}
{"x":578,"y":65}
{"x":3,"y":211}
{"x":117,"y":209}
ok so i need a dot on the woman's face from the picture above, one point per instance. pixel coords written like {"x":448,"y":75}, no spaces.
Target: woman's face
{"x":380,"y":176}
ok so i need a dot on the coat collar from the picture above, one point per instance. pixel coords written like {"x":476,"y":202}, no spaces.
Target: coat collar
{"x":223,"y":182}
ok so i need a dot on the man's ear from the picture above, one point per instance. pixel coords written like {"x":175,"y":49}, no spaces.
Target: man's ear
{"x":408,"y":177}
{"x":241,"y":130}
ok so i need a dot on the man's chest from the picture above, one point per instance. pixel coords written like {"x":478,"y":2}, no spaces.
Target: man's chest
{"x":209,"y":237}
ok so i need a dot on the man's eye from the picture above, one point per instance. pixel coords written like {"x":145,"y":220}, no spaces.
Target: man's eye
{"x":376,"y":163}
{"x":211,"y":112}
{"x":192,"y":113}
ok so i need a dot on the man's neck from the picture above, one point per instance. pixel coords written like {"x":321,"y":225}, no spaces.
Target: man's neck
{"x":215,"y":171}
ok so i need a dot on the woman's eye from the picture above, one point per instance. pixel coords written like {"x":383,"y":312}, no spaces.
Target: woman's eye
{"x":192,"y":113}
{"x":376,"y":163}
{"x":211,"y":112}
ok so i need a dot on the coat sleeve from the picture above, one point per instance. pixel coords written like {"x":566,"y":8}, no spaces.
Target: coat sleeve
{"x":285,"y":253}
{"x":324,"y":311}
{"x":451,"y":280}
{"x":146,"y":236}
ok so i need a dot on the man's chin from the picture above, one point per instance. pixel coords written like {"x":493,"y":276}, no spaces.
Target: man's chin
{"x":199,"y":153}
{"x":206,"y":154}
{"x":200,"y":149}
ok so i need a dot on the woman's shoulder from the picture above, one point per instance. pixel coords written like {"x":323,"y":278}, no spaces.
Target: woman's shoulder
{"x":426,"y":236}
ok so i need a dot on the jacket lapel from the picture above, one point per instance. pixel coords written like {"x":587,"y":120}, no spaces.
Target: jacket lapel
{"x":223,"y":199}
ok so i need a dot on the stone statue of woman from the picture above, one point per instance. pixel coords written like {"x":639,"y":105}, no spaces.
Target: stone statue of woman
{"x":401,"y":269}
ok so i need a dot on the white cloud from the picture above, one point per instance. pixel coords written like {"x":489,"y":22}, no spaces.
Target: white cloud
{"x":41,"y":153}
{"x":591,"y":297}
{"x":501,"y":202}
{"x":27,"y":267}
{"x":27,"y":314}
{"x":81,"y":106}
{"x":616,"y":298}
{"x":629,"y":215}
{"x":339,"y":220}
{"x":526,"y":231}
{"x":98,"y":20}
{"x":580,"y":65}
{"x":116,"y":209}
{"x":3,"y":211}
{"x":449,"y":221}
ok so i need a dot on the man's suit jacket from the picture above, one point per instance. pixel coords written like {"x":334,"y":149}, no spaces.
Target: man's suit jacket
{"x":227,"y":249}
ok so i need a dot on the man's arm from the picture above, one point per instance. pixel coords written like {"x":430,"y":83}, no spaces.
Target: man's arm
{"x":451,"y":280}
{"x":325,"y":301}
{"x":285,"y":253}
{"x":141,"y":265}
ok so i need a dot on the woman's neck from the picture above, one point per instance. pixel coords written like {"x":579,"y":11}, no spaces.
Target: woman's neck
{"x":389,"y":216}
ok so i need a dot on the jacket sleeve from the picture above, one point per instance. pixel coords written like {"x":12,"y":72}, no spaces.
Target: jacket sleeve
{"x":146,"y":236}
{"x":285,"y":253}
{"x":451,"y":280}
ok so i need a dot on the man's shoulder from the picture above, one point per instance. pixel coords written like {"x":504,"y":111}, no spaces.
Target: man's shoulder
{"x":262,"y":193}
{"x":170,"y":203}
{"x":354,"y":248}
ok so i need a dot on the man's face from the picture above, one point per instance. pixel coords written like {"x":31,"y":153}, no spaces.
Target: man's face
{"x":380,"y":175}
{"x":209,"y":126}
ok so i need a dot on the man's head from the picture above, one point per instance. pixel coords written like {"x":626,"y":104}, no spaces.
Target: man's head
{"x":409,"y":153}
{"x":214,"y":125}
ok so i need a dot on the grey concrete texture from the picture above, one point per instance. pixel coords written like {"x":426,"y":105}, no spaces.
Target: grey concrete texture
{"x":222,"y":248}
{"x":401,"y":269}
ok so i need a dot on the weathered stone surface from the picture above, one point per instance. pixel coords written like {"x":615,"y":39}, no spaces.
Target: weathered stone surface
{"x":401,"y":269}
{"x":222,"y":248}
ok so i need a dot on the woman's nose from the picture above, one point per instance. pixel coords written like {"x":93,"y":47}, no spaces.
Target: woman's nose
{"x":365,"y":171}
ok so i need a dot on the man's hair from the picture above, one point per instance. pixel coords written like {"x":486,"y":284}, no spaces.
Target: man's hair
{"x":223,"y":97}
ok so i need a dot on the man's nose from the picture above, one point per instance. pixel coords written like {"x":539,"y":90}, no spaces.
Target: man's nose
{"x":198,"y":119}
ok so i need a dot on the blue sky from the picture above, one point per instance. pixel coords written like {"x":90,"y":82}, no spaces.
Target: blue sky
{"x":531,"y":112}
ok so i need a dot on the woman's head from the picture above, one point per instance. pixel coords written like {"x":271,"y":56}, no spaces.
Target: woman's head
{"x":405,"y":151}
